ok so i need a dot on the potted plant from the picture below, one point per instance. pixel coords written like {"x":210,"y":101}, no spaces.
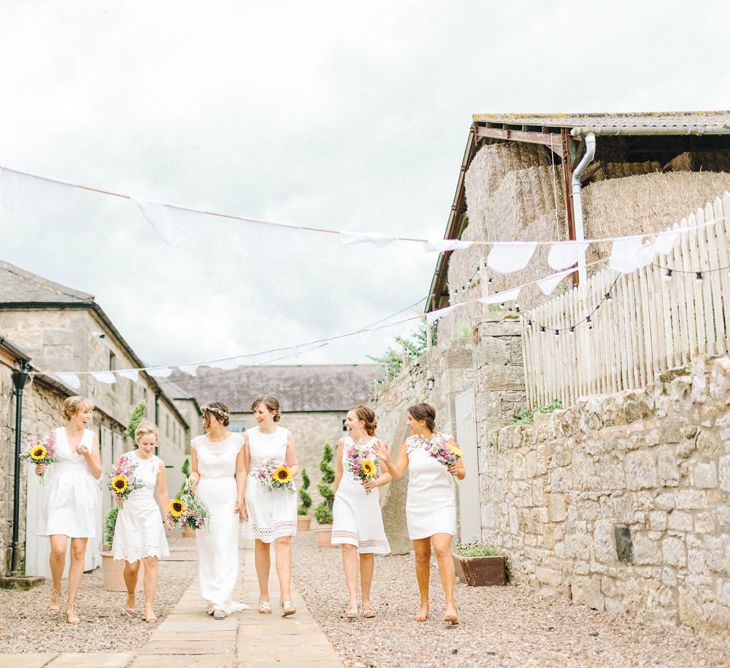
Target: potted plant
{"x":303,"y":519}
{"x":323,"y":512}
{"x":478,"y":565}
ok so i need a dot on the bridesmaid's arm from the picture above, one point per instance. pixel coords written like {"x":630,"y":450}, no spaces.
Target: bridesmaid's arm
{"x":194,"y":476}
{"x":93,"y":460}
{"x":397,"y":469}
{"x":338,"y":469}
{"x":241,"y":473}
{"x":161,"y":489}
{"x":291,"y":455}
{"x":457,"y":468}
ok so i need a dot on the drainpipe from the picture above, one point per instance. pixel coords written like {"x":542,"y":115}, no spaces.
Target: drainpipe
{"x":590,"y":153}
{"x":157,"y":419}
{"x":19,"y":379}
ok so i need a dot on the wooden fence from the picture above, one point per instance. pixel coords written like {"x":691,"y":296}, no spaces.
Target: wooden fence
{"x":653,"y":322}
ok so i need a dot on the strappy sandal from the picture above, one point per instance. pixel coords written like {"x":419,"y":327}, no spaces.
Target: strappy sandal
{"x":54,"y":606}
{"x":127,"y":611}
{"x":219,"y":614}
{"x":287,"y":609}
{"x":264,"y":607}
{"x":72,"y":617}
{"x":351,"y":612}
{"x":367,"y":611}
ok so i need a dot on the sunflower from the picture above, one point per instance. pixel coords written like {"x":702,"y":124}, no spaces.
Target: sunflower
{"x":120,"y":484}
{"x":282,"y":475}
{"x":38,"y":453}
{"x":455,"y":449}
{"x":177,"y":507}
{"x":368,"y":467}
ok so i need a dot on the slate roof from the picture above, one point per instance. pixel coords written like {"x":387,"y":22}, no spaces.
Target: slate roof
{"x":301,"y":388}
{"x":21,"y":287}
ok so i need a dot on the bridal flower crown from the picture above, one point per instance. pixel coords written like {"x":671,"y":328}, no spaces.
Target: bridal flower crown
{"x":216,"y":411}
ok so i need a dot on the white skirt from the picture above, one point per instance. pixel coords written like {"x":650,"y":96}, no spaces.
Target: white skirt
{"x":139,"y":531}
{"x":272,"y":513}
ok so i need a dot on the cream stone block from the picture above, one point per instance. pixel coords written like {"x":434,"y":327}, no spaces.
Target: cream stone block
{"x":641,"y":470}
{"x":704,"y":475}
{"x":679,"y":520}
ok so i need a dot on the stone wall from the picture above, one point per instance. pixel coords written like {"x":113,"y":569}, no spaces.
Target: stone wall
{"x":622,"y":502}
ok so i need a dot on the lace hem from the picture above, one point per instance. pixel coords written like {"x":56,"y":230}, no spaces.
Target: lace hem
{"x":131,"y":557}
{"x":279,"y":530}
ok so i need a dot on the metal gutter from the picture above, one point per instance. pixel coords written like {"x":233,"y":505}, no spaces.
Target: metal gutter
{"x":590,"y":153}
{"x":651,"y":130}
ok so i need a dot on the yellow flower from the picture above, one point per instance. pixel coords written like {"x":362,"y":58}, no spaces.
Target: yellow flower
{"x":455,"y":449}
{"x":177,"y":507}
{"x":368,"y":467}
{"x":282,"y":475}
{"x":38,"y":453}
{"x":120,"y":484}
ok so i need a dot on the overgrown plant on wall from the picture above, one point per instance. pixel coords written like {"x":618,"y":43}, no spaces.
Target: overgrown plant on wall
{"x":323,"y":512}
{"x":411,"y":348}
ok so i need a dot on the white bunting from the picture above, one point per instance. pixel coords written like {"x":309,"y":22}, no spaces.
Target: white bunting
{"x":506,"y":258}
{"x":433,"y":316}
{"x":173,"y":225}
{"x":104,"y":377}
{"x":131,"y":374}
{"x":70,"y":379}
{"x":547,"y":285}
{"x":224,"y":364}
{"x":629,"y":254}
{"x":379,"y":240}
{"x":160,"y":373}
{"x":566,"y":254}
{"x":665,"y":242}
{"x":501,"y":297}
{"x":442,"y":245}
{"x":190,"y":369}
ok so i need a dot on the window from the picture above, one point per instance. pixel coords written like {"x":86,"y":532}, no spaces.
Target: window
{"x":238,"y":426}
{"x":112,"y":361}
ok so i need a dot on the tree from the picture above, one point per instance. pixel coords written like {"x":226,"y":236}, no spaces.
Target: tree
{"x":306,"y":499}
{"x":323,"y":512}
{"x":138,"y":412}
{"x":411,"y":347}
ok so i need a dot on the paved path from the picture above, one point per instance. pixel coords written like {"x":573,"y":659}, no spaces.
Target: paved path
{"x":189,"y":637}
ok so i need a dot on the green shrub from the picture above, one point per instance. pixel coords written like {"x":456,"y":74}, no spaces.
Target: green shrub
{"x":525,"y":416}
{"x":138,"y":412}
{"x":412,"y":347}
{"x":304,"y":497}
{"x":323,"y":512}
{"x":476,"y":550}
{"x":109,"y":524}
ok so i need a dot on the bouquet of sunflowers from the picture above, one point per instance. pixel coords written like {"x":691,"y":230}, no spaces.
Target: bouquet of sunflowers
{"x":42,"y":452}
{"x":187,"y":510}
{"x":275,"y":476}
{"x":443,"y":451}
{"x":362,"y":467}
{"x":122,"y":481}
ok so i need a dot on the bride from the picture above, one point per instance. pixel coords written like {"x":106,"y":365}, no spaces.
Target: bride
{"x":217,"y":478}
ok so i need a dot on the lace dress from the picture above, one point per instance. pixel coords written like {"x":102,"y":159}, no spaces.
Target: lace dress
{"x":431,"y":497}
{"x":139,"y":531}
{"x":71,"y":506}
{"x":217,"y":543}
{"x":272,"y":513}
{"x":357,"y":519}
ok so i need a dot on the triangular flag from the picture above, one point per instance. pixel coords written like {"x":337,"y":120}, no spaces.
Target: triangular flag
{"x":159,"y":373}
{"x":379,"y":240}
{"x":172,"y":224}
{"x":501,"y":297}
{"x":566,"y":253}
{"x":131,"y":374}
{"x":433,"y":316}
{"x":442,"y":245}
{"x":190,"y":369}
{"x":104,"y":377}
{"x":547,"y":285}
{"x":506,"y":258}
{"x":70,"y":379}
{"x":629,"y":254}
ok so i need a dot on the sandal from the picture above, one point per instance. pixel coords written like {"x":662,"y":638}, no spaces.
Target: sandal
{"x":287,"y":608}
{"x":351,"y":612}
{"x":451,"y":619}
{"x":367,"y":611}
{"x":219,"y":614}
{"x":55,"y":605}
{"x":150,"y":617}
{"x":72,"y":617}
{"x":129,"y":611}
{"x":264,"y":607}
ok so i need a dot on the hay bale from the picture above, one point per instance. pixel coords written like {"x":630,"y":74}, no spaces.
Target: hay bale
{"x":701,"y":161}
{"x":616,"y":170}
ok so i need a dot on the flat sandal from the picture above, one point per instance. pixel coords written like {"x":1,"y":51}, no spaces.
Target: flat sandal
{"x":265,"y":607}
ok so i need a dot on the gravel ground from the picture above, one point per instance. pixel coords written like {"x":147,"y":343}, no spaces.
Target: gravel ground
{"x":27,"y":626}
{"x":500,"y":626}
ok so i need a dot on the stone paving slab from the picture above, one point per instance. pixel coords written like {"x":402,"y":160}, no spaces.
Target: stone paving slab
{"x":91,"y":660}
{"x":39,"y":660}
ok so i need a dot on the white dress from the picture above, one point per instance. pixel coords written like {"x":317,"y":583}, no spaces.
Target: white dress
{"x":71,"y":505}
{"x":272,"y":513}
{"x":139,"y":531}
{"x":431,"y":497}
{"x":357,"y":519}
{"x":217,"y":543}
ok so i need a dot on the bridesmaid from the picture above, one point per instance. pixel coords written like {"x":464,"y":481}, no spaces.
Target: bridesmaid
{"x":139,"y":534}
{"x":358,"y":523}
{"x":430,"y":502}
{"x":71,"y":507}
{"x":272,"y":512}
{"x":218,"y":477}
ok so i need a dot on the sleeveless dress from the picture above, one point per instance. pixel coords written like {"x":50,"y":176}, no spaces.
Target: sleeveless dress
{"x":71,"y":505}
{"x":139,"y":531}
{"x":431,"y":497}
{"x":217,"y":543}
{"x":357,"y":519}
{"x":272,"y":513}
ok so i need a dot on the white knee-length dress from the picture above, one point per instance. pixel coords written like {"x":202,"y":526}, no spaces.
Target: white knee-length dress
{"x":431,"y":496}
{"x":357,"y":519}
{"x":217,"y":543}
{"x":272,"y":513}
{"x":71,"y":504}
{"x":139,"y":531}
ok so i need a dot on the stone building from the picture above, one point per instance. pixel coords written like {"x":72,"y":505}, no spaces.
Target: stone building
{"x":61,"y":329}
{"x":621,"y":501}
{"x":314,"y":398}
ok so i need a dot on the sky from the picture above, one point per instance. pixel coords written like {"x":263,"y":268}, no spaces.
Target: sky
{"x":339,"y":115}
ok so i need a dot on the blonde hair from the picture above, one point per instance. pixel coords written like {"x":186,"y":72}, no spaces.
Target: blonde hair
{"x":73,"y":405}
{"x":144,"y":428}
